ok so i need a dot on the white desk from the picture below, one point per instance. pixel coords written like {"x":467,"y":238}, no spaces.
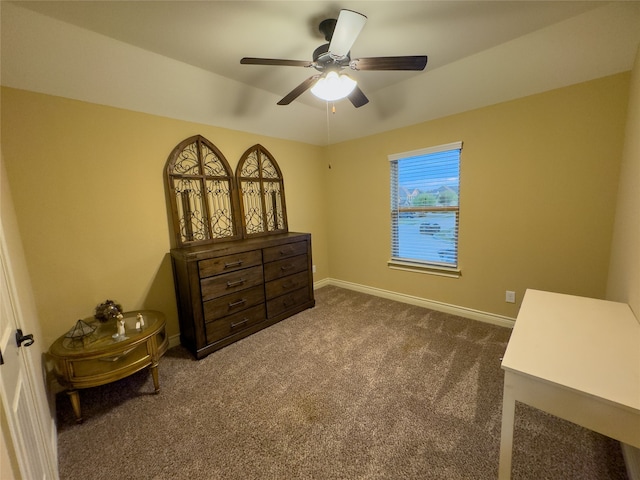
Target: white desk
{"x":577,"y":358}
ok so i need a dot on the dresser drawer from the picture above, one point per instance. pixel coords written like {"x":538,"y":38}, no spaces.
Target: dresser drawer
{"x":281,"y":304}
{"x":213,"y":287}
{"x":285,"y":267}
{"x":233,"y":303}
{"x":226,"y":326}
{"x":288,"y":284}
{"x":229,"y":263}
{"x":222,"y":287}
{"x":272,"y":254}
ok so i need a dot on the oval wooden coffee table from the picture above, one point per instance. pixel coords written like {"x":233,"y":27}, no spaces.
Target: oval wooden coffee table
{"x":104,"y":358}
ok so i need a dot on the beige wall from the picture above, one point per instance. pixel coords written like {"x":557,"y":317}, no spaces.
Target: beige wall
{"x":624,"y":274}
{"x":539,"y":183}
{"x":89,"y":195}
{"x":539,"y":196}
{"x":538,"y":188}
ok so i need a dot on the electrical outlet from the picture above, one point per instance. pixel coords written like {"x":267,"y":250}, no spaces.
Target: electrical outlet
{"x":313,"y":269}
{"x":510,"y":297}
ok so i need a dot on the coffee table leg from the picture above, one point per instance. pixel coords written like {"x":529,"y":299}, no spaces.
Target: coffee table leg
{"x":74,"y":396}
{"x":154,"y":374}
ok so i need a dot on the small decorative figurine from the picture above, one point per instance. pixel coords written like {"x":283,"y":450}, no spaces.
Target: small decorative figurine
{"x":120,"y":322}
{"x":139,"y":322}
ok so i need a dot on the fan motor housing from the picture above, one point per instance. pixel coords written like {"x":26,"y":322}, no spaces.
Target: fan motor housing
{"x":325,"y":61}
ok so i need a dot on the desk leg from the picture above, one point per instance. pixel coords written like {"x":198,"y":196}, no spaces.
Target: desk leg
{"x":156,"y":380}
{"x":506,"y":433}
{"x":74,"y":396}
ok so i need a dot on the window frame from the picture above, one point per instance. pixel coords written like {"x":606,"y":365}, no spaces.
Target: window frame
{"x":414,"y":264}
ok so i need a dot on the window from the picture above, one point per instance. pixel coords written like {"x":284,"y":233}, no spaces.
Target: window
{"x":425,"y":209}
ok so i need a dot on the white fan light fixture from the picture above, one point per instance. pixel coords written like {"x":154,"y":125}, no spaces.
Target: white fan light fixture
{"x":333,"y":87}
{"x":331,"y":58}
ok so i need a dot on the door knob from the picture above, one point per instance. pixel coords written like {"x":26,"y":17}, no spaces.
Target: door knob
{"x":20,"y":338}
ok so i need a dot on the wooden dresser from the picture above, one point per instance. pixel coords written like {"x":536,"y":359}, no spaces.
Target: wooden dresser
{"x":229,"y":290}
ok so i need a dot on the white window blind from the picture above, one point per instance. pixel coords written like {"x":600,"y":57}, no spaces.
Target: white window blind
{"x":425,"y":206}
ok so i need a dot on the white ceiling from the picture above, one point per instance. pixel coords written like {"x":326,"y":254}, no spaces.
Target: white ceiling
{"x":480,"y":53}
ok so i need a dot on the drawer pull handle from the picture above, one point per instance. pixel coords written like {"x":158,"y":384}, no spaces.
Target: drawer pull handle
{"x":236,"y":283}
{"x":286,"y":267}
{"x":238,"y":303}
{"x":233,"y":264}
{"x":287,"y":286}
{"x":286,"y":252}
{"x":239,"y":324}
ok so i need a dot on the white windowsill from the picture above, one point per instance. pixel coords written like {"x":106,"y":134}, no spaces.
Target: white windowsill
{"x":422,"y":268}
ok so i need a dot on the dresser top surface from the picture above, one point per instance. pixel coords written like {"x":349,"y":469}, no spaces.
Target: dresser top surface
{"x":197,"y":252}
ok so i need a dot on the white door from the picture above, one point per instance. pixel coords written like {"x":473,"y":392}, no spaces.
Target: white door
{"x":17,"y":391}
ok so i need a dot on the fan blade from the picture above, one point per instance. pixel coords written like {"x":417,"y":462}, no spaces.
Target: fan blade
{"x":347,"y":29}
{"x":417,"y":62}
{"x":299,"y":90}
{"x":358,"y":98}
{"x":275,"y":61}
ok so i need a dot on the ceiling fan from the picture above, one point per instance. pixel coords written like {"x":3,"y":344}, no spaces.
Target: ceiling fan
{"x":331,"y":58}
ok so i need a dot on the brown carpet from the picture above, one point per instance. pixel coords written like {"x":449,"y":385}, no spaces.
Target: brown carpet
{"x":358,"y":387}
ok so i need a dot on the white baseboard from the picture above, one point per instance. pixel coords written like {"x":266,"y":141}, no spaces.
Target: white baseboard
{"x":632,"y":461}
{"x":321,"y":283}
{"x":422,"y":302}
{"x":174,"y":340}
{"x":486,"y":317}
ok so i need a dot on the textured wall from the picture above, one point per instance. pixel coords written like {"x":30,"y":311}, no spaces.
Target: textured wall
{"x":539,"y":179}
{"x":624,"y":275}
{"x":539,"y":188}
{"x":89,"y":194}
